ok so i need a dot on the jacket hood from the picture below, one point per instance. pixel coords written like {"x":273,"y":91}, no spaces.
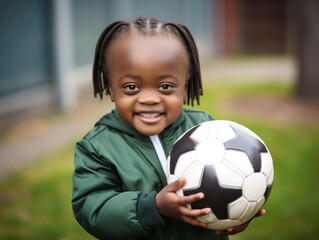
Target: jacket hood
{"x":112,"y":120}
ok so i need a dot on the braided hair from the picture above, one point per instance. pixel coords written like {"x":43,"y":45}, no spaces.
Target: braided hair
{"x":146,"y":26}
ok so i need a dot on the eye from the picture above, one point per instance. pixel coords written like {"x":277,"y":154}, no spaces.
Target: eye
{"x":165,"y":87}
{"x":131,"y":87}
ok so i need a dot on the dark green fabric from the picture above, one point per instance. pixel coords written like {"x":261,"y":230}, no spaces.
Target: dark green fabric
{"x":145,"y":210}
{"x":116,"y":178}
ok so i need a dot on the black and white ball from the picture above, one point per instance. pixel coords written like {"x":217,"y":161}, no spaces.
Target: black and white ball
{"x":230,"y":164}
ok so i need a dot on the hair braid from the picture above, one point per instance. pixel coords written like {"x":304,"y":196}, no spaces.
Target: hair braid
{"x":140,"y":23}
{"x":100,"y":81}
{"x":153,"y":23}
{"x":194,"y":89}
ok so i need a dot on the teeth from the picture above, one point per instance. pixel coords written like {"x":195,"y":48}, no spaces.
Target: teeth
{"x":150,"y":115}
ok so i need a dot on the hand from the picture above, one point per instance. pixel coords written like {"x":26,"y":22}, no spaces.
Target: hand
{"x":240,"y":228}
{"x":170,"y":204}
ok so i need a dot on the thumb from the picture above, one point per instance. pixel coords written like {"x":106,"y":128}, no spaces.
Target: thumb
{"x":176,"y":185}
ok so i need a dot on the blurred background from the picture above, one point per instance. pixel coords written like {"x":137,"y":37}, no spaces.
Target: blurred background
{"x":259,"y":62}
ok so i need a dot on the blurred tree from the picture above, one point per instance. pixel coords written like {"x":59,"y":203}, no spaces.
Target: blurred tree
{"x":306,"y":19}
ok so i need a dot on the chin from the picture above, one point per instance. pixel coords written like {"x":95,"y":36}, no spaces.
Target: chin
{"x":149,"y":132}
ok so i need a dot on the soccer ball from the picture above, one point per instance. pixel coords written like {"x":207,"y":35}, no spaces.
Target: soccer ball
{"x":230,"y":164}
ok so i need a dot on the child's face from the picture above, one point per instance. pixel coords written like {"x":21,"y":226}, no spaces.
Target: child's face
{"x":147,"y":80}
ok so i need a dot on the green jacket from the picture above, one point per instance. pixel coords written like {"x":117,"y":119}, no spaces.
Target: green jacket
{"x":117,"y":175}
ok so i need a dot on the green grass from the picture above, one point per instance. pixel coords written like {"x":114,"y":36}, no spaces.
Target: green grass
{"x":35,"y":203}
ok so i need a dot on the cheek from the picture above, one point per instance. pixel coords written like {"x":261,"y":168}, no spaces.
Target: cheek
{"x":123,"y":102}
{"x":124,"y":110}
{"x":123,"y":105}
{"x":175,"y":105}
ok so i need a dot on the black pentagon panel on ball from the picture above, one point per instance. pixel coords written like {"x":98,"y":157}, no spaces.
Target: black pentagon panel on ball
{"x":250,"y":145}
{"x":183,"y":145}
{"x":267,"y":193}
{"x":216,"y":196}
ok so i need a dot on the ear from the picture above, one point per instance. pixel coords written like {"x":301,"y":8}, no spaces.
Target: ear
{"x":111,"y":92}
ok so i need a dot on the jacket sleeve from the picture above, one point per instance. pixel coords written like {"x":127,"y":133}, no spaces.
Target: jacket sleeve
{"x":101,"y":207}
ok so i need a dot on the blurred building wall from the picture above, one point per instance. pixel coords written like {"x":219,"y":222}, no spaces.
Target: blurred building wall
{"x":47,"y":47}
{"x":256,"y":27}
{"x":90,"y":20}
{"x":38,"y":37}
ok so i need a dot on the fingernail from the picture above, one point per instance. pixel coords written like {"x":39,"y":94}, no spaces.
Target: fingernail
{"x":229,"y":229}
{"x":208,"y":211}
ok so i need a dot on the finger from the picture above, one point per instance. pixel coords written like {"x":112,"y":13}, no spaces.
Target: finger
{"x":225,"y":232}
{"x":233,"y":230}
{"x":260,"y":213}
{"x":195,"y":212}
{"x":194,"y":222}
{"x":176,"y":185}
{"x":221,"y":232}
{"x":240,"y":228}
{"x":192,"y":198}
{"x":230,"y":231}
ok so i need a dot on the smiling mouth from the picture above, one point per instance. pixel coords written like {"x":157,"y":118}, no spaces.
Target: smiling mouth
{"x":149,"y":115}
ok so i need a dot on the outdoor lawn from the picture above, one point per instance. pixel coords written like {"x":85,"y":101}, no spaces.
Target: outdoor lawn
{"x":35,"y":203}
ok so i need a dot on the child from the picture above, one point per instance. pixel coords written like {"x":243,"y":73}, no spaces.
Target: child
{"x":150,"y":69}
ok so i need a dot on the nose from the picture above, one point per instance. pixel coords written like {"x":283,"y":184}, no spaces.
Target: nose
{"x":148,"y":97}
